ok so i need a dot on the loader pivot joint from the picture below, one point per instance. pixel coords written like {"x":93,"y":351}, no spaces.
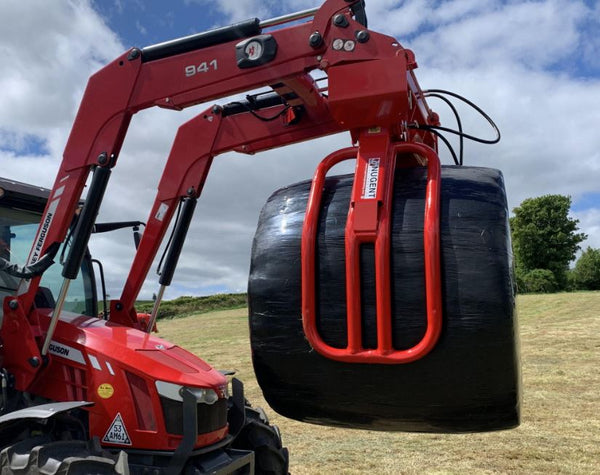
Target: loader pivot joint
{"x":340,"y":21}
{"x":315,"y":40}
{"x":34,"y":361}
{"x":103,"y":159}
{"x":134,"y":54}
{"x":362,"y":36}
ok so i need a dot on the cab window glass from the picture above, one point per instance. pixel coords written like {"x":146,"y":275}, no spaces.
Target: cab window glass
{"x":17,"y":232}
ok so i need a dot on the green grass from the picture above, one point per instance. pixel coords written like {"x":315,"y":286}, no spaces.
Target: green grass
{"x":560,"y":432}
{"x":185,"y":306}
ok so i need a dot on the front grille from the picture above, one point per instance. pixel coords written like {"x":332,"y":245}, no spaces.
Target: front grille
{"x":75,"y":383}
{"x":210,"y":417}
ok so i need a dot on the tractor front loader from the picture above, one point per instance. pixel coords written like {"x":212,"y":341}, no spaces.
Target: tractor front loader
{"x":84,"y":392}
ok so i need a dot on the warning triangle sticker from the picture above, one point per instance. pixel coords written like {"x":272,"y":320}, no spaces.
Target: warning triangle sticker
{"x":117,"y":433}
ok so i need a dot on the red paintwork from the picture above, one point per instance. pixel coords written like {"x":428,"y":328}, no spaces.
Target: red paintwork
{"x":125,"y":350}
{"x":372,"y":85}
{"x":369,"y":222}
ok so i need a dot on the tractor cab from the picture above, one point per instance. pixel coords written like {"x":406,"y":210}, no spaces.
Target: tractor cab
{"x":21,"y":208}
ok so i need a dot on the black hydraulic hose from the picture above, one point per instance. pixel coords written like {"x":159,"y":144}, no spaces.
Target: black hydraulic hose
{"x":106,"y":227}
{"x":85,"y":223}
{"x":32,"y":270}
{"x":137,"y":237}
{"x":474,"y":106}
{"x":443,"y":139}
{"x":181,"y":229}
{"x":458,"y":123}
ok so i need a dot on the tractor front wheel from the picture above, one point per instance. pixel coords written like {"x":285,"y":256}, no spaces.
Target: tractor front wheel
{"x":73,"y":457}
{"x":264,"y":439}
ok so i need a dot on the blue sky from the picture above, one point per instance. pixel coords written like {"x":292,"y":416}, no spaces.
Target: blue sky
{"x":534,"y":66}
{"x":149,"y":22}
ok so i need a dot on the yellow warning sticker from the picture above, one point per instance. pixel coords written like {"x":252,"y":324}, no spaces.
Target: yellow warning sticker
{"x":105,"y":390}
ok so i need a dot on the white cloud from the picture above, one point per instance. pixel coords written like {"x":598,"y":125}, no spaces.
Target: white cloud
{"x":589,"y":222}
{"x":141,"y":28}
{"x":48,"y":51}
{"x":236,"y":10}
{"x":447,"y":12}
{"x":511,"y":58}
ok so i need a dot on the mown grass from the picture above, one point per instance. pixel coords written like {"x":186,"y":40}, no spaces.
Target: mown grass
{"x":560,"y":432}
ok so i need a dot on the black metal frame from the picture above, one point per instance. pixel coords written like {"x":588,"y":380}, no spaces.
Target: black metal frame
{"x":236,"y":416}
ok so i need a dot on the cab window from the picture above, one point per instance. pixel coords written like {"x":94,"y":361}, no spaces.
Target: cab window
{"x":18,"y":229}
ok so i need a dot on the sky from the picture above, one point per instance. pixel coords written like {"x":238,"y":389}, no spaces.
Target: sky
{"x":533,"y":66}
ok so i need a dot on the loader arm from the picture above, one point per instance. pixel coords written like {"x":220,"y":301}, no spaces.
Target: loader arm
{"x":207,"y":135}
{"x":370,"y":84}
{"x":161,"y":76}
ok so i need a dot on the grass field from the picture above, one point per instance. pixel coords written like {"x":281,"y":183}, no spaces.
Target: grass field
{"x":560,"y":432}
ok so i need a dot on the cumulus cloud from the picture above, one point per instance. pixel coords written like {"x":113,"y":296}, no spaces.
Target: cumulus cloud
{"x":589,"y":221}
{"x":48,"y":52}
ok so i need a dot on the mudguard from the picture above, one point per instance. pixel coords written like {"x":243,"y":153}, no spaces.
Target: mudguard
{"x":43,"y":411}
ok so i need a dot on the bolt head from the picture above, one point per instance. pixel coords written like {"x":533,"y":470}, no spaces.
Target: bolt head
{"x":362,"y":36}
{"x":340,"y":20}
{"x":134,"y":54}
{"x":315,"y":40}
{"x":13,"y":304}
{"x":103,"y":158}
{"x":349,"y":46}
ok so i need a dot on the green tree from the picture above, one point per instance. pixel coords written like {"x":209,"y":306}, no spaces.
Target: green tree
{"x":586,"y":274}
{"x":536,"y":281}
{"x":545,"y":237}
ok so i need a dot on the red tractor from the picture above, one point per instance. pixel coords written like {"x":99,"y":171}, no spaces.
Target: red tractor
{"x":84,"y":394}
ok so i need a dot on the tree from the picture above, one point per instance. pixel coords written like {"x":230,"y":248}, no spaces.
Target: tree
{"x":536,"y":281}
{"x":544,"y":236}
{"x":586,"y":274}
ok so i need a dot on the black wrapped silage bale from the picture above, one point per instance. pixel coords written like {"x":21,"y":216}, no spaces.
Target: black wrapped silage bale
{"x":469,"y":382}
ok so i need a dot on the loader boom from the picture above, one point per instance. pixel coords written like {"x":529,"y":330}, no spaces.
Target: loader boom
{"x":365,"y":70}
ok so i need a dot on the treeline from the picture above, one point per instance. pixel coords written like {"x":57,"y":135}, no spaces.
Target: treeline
{"x":184,"y":306}
{"x":545,"y":243}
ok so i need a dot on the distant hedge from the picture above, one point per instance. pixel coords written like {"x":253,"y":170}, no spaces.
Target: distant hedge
{"x":537,"y":281}
{"x":586,"y":273}
{"x":186,"y":305}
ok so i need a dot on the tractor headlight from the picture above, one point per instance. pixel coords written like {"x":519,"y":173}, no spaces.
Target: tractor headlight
{"x":206,"y":395}
{"x":173,"y":391}
{"x":210,"y":410}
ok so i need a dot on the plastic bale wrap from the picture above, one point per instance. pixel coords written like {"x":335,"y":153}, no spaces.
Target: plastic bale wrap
{"x":469,"y":382}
